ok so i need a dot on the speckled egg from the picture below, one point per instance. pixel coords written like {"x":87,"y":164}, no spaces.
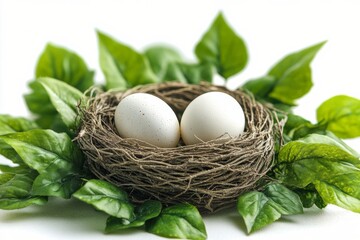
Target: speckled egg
{"x":147,"y":118}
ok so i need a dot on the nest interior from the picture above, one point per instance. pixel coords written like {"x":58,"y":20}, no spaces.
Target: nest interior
{"x":208,"y":175}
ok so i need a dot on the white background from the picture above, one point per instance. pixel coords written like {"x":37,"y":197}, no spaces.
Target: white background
{"x":271,"y":29}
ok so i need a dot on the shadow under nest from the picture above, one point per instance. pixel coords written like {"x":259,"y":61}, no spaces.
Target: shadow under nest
{"x":209,"y":175}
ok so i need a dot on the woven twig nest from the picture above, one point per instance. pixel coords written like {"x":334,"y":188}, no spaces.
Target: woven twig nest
{"x":208,"y":175}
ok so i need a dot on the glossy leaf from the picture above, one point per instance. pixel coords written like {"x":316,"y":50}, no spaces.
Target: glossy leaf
{"x":288,"y":80}
{"x":53,"y":122}
{"x":223,"y":48}
{"x":122,"y":66}
{"x":38,"y":101}
{"x":57,"y":182}
{"x":295,"y":60}
{"x":260,"y":209}
{"x":107,"y":198}
{"x":189,"y":73}
{"x":64,"y":65}
{"x":293,"y":85}
{"x":310,"y":197}
{"x":330,"y":139}
{"x":260,"y":87}
{"x":53,"y":155}
{"x":41,"y":148}
{"x":293,"y":75}
{"x":60,"y":63}
{"x":297,"y":127}
{"x":64,"y":98}
{"x":342,"y":116}
{"x":160,"y":57}
{"x":334,"y":172}
{"x":146,"y":211}
{"x":15,"y":188}
{"x":180,"y":221}
{"x":9,"y":124}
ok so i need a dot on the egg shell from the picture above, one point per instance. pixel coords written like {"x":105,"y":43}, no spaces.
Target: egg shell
{"x":210,"y":116}
{"x":147,"y":118}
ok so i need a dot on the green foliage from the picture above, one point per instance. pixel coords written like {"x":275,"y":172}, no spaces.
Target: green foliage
{"x":223,"y":48}
{"x":15,"y":188}
{"x":9,"y":124}
{"x":122,"y":66}
{"x":60,"y":63}
{"x":189,"y":73}
{"x":288,"y":80}
{"x":180,"y":221}
{"x":341,"y":114}
{"x":260,"y":209}
{"x":107,"y":198}
{"x":160,"y":57}
{"x":65,"y":100}
{"x":53,"y":155}
{"x":146,"y":211}
{"x":63,"y":65}
{"x":16,"y":182}
{"x":331,"y":169}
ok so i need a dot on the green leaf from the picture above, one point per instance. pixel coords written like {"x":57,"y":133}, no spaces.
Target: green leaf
{"x":16,"y":203}
{"x":160,"y":57}
{"x":53,"y":155}
{"x":294,"y":121}
{"x":42,"y":148}
{"x":64,"y":65}
{"x":293,"y":85}
{"x":333,"y":195}
{"x":342,"y":116}
{"x":297,"y":127}
{"x":180,"y":221}
{"x":15,"y":187}
{"x":53,"y":122}
{"x":169,"y":66}
{"x":329,"y":139}
{"x":260,"y":209}
{"x":223,"y":48}
{"x":40,"y":104}
{"x":59,"y":181}
{"x":310,"y":197}
{"x":38,"y":100}
{"x":334,"y":172}
{"x":9,"y":124}
{"x":341,"y":144}
{"x":288,"y":80}
{"x":293,"y":75}
{"x":9,"y":153}
{"x":189,"y":73}
{"x":14,"y":169}
{"x":107,"y":198}
{"x":64,"y":98}
{"x":122,"y":66}
{"x":148,"y":210}
{"x":260,"y":87}
{"x":295,"y":60}
{"x":67,"y":66}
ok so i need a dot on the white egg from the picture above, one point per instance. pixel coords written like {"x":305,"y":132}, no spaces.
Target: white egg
{"x":210,"y":116}
{"x":147,"y":118}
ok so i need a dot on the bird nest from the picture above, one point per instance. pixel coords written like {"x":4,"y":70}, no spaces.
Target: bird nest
{"x":209,"y":175}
